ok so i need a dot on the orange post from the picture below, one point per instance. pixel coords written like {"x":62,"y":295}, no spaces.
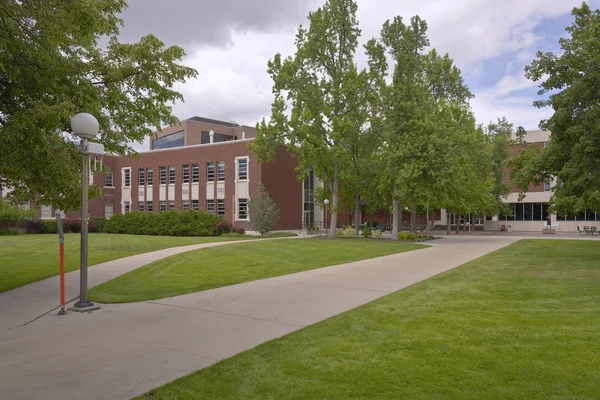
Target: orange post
{"x":62,"y":276}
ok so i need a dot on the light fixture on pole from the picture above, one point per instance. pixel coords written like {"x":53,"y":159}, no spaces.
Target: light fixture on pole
{"x":85,"y":126}
{"x":326,"y":203}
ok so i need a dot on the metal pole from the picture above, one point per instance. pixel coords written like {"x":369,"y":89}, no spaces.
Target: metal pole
{"x":83,"y":264}
{"x":427,"y":216}
{"x":326,"y":220}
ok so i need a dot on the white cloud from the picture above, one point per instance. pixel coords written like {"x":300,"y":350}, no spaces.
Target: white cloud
{"x":233,"y":83}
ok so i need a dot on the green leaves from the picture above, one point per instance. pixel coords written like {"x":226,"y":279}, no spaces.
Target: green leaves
{"x":572,"y":81}
{"x":51,"y":67}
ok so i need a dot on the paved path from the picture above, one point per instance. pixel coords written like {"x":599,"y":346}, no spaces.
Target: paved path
{"x":23,"y":305}
{"x":124,"y":350}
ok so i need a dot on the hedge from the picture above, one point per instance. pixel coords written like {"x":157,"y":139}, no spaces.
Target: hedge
{"x":100,"y":222}
{"x":165,"y":223}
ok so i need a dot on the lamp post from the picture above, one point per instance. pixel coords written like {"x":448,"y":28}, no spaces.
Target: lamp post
{"x":86,"y":127}
{"x":326,"y":203}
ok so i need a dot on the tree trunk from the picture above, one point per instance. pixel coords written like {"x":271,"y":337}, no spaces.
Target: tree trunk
{"x":357,"y":213}
{"x":457,"y":220}
{"x":334,"y":206}
{"x":448,"y":214}
{"x":395,"y":216}
{"x":413,"y":219}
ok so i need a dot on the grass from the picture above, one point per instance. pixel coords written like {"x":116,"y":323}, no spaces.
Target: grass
{"x":29,"y":258}
{"x":520,"y":323}
{"x":215,"y":267}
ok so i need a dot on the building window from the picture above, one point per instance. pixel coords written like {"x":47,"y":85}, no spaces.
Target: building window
{"x":221,"y":207}
{"x":210,"y":172}
{"x":142,"y":176}
{"x":127,"y":178}
{"x":243,"y":169}
{"x":185,"y":173}
{"x":150,"y":176}
{"x":46,"y":212}
{"x":176,"y":139}
{"x":171,"y":175}
{"x":210,"y":206}
{"x":126,"y":207}
{"x":242,"y":208}
{"x":171,"y":204}
{"x":149,"y":206}
{"x":108,"y":179}
{"x":195,"y":205}
{"x":162,"y":205}
{"x":185,"y":205}
{"x":195,"y":173}
{"x":141,"y":206}
{"x":221,"y":171}
{"x":163,"y":175}
{"x":108,"y":210}
{"x":309,"y":203}
{"x":546,"y":144}
{"x":547,"y":187}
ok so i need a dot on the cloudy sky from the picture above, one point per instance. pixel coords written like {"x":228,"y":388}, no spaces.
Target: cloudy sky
{"x":230,"y":41}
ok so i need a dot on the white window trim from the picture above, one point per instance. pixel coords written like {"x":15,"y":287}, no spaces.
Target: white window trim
{"x":237,"y":169}
{"x":237,"y":210}
{"x":113,"y":180}
{"x":123,"y":178}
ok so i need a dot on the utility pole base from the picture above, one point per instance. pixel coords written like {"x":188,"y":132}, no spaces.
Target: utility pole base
{"x":84,"y":307}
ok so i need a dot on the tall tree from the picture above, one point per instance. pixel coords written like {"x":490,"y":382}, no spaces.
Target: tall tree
{"x":571,"y":79}
{"x":263,"y":212}
{"x":51,"y":67}
{"x":320,"y":84}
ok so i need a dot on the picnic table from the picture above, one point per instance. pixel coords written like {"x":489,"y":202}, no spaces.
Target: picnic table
{"x":588,"y":231}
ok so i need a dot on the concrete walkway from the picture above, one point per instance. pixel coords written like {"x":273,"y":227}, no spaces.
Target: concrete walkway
{"x":23,"y":305}
{"x":125,"y":350}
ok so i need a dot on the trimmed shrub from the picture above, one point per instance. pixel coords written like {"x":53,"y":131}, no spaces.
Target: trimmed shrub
{"x":377,"y":233}
{"x":366,"y":232}
{"x":222,"y":227}
{"x":50,"y":226}
{"x":407,"y":236}
{"x":339,"y":233}
{"x":73,"y":226}
{"x":349,"y":232}
{"x":239,"y":230}
{"x":7,"y":232}
{"x":100,"y":222}
{"x":34,"y":226}
{"x":165,"y":223}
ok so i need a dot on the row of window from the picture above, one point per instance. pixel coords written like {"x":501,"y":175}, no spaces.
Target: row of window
{"x":539,"y":212}
{"x":164,"y":205}
{"x":146,"y":175}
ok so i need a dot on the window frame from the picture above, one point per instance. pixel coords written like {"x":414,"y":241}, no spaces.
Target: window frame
{"x":185,"y":205}
{"x":112,"y":179}
{"x":210,"y":171}
{"x":162,"y":205}
{"x":171,"y":205}
{"x":220,"y":171}
{"x":239,"y":177}
{"x":141,"y":206}
{"x":195,"y":173}
{"x":210,"y":209}
{"x":149,"y":176}
{"x":195,"y":205}
{"x":126,"y":207}
{"x":141,"y":176}
{"x":244,"y":208}
{"x":185,"y":170}
{"x":162,"y":175}
{"x":149,"y":206}
{"x":172,"y":172}
{"x":126,"y":177}
{"x":221,"y":202}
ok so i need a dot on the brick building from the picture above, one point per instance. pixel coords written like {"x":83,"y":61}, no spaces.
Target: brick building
{"x":206,"y":165}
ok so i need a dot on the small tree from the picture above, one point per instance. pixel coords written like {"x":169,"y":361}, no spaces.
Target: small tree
{"x":264,"y":214}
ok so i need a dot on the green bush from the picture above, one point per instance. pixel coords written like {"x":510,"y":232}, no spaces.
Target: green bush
{"x":408,"y":236}
{"x":339,"y":233}
{"x":349,"y":232}
{"x":100,"y":222}
{"x":377,"y":233}
{"x":6,"y":232}
{"x":366,"y":232}
{"x":165,"y":223}
{"x":34,"y":226}
{"x":50,"y":226}
{"x":222,"y":228}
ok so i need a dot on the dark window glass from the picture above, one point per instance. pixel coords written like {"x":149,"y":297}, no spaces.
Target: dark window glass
{"x":150,"y":206}
{"x":171,"y":204}
{"x":243,"y":169}
{"x":242,"y":208}
{"x":185,"y":205}
{"x":527,"y":211}
{"x":163,"y":175}
{"x":210,"y":172}
{"x":127,"y":182}
{"x":150,"y":176}
{"x":195,"y":173}
{"x":176,"y":139}
{"x":220,"y":207}
{"x":141,"y":176}
{"x":210,"y":206}
{"x":171,"y":175}
{"x":108,"y":179}
{"x":221,"y":171}
{"x":185,"y":173}
{"x":537,"y":212}
{"x":141,"y":206}
{"x":195,"y":205}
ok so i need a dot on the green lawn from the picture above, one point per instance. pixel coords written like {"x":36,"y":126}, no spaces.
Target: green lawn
{"x":520,"y":323}
{"x":215,"y":267}
{"x":29,"y":258}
